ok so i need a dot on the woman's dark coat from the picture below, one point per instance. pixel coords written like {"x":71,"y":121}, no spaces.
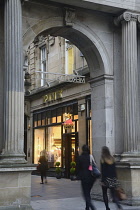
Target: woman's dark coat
{"x":82,"y":167}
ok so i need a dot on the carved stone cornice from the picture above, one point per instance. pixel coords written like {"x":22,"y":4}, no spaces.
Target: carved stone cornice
{"x":127,"y":16}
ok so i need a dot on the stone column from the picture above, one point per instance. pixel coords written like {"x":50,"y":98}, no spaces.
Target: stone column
{"x":14,"y":85}
{"x":102,"y":106}
{"x":130,"y":86}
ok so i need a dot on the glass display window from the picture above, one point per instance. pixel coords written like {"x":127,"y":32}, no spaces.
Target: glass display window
{"x":88,"y":107}
{"x":70,"y":110}
{"x":53,"y":116}
{"x":49,"y":121}
{"x":75,"y":112}
{"x":59,"y":115}
{"x":39,"y":143}
{"x":77,"y":126}
{"x":64,"y":114}
{"x":39,"y":119}
{"x":43,"y":118}
{"x":35,"y":120}
{"x":49,"y":136}
{"x":54,"y":142}
{"x":46,"y":117}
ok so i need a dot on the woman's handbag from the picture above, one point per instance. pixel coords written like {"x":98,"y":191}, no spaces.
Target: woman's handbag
{"x":93,"y":168}
{"x":120,"y":193}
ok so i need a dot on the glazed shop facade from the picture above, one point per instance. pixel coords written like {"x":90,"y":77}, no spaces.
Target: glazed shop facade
{"x":44,"y":124}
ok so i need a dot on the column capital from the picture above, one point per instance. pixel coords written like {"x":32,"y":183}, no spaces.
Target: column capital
{"x":127,"y":16}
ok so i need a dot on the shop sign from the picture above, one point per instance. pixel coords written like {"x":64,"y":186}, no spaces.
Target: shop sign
{"x":71,"y":78}
{"x":74,"y":78}
{"x":68,"y":124}
{"x":52,"y":96}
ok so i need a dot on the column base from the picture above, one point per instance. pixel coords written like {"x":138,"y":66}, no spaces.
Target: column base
{"x":15,"y":185}
{"x":128,"y":175}
{"x":130,"y":157}
{"x":12,"y":158}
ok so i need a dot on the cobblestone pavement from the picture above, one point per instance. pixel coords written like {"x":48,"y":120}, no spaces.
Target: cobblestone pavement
{"x":62,"y":194}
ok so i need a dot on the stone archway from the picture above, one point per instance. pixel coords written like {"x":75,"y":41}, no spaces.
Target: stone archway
{"x":79,"y":33}
{"x":101,"y":70}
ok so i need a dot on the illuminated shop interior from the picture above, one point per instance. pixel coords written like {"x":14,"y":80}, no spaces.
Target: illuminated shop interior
{"x":61,"y":144}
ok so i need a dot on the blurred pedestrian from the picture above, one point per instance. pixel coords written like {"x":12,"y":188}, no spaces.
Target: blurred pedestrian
{"x":109,"y":177}
{"x":43,"y":166}
{"x":83,"y":173}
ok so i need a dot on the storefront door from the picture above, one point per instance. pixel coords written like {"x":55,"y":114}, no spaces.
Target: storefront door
{"x":70,"y":147}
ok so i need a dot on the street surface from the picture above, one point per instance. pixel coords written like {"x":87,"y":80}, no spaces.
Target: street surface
{"x":62,"y":194}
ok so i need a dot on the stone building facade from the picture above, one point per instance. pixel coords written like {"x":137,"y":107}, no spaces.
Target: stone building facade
{"x":107,"y":34}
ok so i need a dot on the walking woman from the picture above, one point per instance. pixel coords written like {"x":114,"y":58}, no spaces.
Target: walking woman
{"x":43,"y":166}
{"x":109,"y":177}
{"x":83,"y":173}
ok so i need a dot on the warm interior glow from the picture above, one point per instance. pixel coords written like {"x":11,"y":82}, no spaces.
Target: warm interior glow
{"x":39,"y":136}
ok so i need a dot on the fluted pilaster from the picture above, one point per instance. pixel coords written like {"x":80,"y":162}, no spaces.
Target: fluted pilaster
{"x":130,"y":84}
{"x":14,"y":84}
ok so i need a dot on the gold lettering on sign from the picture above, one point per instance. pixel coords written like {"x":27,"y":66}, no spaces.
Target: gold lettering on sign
{"x":59,"y":94}
{"x":52,"y":96}
{"x":45,"y":98}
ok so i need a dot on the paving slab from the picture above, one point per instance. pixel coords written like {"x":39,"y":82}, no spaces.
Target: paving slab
{"x":62,"y":194}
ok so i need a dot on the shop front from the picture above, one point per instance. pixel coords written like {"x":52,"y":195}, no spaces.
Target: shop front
{"x":60,"y":142}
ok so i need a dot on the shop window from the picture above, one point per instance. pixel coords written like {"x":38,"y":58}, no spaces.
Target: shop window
{"x":46,"y":116}
{"x":77,"y":126}
{"x":49,"y":117}
{"x":75,"y":112}
{"x":53,"y":116}
{"x":64,"y":113}
{"x":39,"y":120}
{"x":73,"y":129}
{"x":59,"y":115}
{"x":43,"y":118}
{"x":70,"y":109}
{"x":88,"y":107}
{"x":73,"y":148}
{"x":50,"y":136}
{"x":54,"y":142}
{"x":35,"y":120}
{"x":39,"y":143}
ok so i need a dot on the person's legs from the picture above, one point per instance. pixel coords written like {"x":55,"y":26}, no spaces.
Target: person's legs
{"x":86,"y":187}
{"x":105,"y":197}
{"x":115,"y":199}
{"x":83,"y":184}
{"x":41,"y":177}
{"x":45,"y":175}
